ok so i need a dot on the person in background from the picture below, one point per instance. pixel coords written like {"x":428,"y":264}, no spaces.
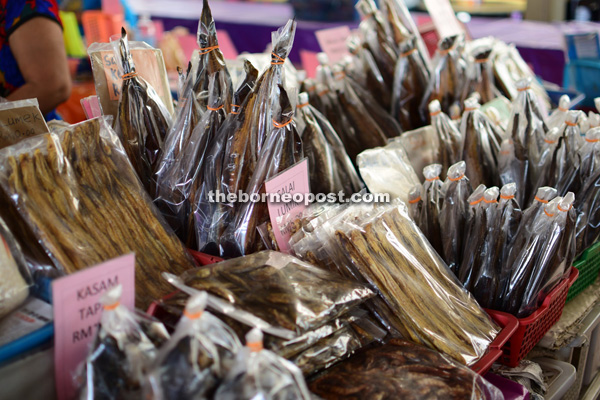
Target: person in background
{"x":33,"y":59}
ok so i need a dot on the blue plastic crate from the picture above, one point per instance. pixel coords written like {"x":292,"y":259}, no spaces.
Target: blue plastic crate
{"x":584,"y":76}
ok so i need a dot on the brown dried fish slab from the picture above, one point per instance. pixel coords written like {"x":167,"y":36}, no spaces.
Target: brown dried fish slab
{"x":280,"y":289}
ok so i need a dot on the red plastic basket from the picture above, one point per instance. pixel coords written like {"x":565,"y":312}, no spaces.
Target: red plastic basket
{"x":531,"y":329}
{"x":509,"y":324}
{"x":204,"y":259}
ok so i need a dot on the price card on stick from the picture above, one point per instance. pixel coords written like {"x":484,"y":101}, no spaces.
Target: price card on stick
{"x":333,"y":42}
{"x":292,"y":181}
{"x":444,"y":19}
{"x":77,"y":312}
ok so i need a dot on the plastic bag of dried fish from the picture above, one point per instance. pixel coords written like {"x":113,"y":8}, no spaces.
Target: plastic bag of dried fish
{"x":259,"y":373}
{"x":280,"y":289}
{"x":559,"y":116}
{"x":142,"y":120}
{"x":449,"y":137}
{"x":324,"y":144}
{"x":588,"y":198}
{"x":539,"y":256}
{"x":375,"y":249}
{"x":388,"y":170}
{"x":453,"y":215}
{"x":446,"y":84}
{"x":410,"y":82}
{"x":282,"y":149}
{"x":480,"y":75}
{"x":16,"y":279}
{"x":433,"y":201}
{"x":123,"y":351}
{"x":196,"y":358}
{"x":401,"y":369}
{"x":481,"y":145}
{"x":79,"y":195}
{"x":180,"y":173}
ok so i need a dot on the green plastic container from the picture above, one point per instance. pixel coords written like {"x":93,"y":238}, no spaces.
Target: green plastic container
{"x":589,"y":267}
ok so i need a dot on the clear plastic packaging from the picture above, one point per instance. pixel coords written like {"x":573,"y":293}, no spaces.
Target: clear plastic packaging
{"x":402,"y":370}
{"x":510,"y":168}
{"x":16,"y":279}
{"x":410,"y":82}
{"x":481,"y":145}
{"x":261,"y":374}
{"x":84,"y":204}
{"x":559,"y":116}
{"x":453,"y":215}
{"x":386,"y":249}
{"x":480,"y":75}
{"x":388,"y":170}
{"x":282,"y":149}
{"x":448,"y":77}
{"x":433,"y":199}
{"x":123,"y":351}
{"x":473,"y":239}
{"x":180,"y":177}
{"x":415,"y":203}
{"x":199,"y":354}
{"x":142,"y":121}
{"x":449,"y":136}
{"x":280,"y":289}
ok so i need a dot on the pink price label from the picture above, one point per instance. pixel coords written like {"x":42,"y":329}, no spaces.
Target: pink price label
{"x":77,"y":312}
{"x":293,"y":180}
{"x":309,"y":63}
{"x":226,"y":45}
{"x":333,"y":42}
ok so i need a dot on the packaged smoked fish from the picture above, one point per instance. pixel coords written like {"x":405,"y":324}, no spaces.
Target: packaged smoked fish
{"x":433,"y":200}
{"x":481,"y":145}
{"x":143,"y":121}
{"x":449,"y":137}
{"x":480,"y":75}
{"x":509,"y":220}
{"x":588,"y":198}
{"x":179,"y":176}
{"x":448,"y":75}
{"x":282,"y":149}
{"x":403,"y":370}
{"x":410,"y":82}
{"x":453,"y":215}
{"x":122,"y":353}
{"x":384,"y":248}
{"x":197,"y":357}
{"x":78,"y":194}
{"x":259,"y":373}
{"x":210,"y":61}
{"x":415,"y":203}
{"x":280,"y":289}
{"x":559,"y":116}
{"x":473,"y":236}
{"x":219,"y":172}
{"x":330,"y":168}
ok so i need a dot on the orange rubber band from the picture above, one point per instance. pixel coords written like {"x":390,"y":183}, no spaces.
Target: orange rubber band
{"x":444,"y":52}
{"x":233,"y":108}
{"x":549,"y":141}
{"x":433,"y":114}
{"x":192,"y":316}
{"x":207,"y":50}
{"x":482,"y":61}
{"x":524,"y":89}
{"x":418,"y":199}
{"x":340,"y":75}
{"x":323,"y":92}
{"x":473,"y":203}
{"x":112,"y":306}
{"x":433,"y":179}
{"x":563,"y":109}
{"x":282,"y":125}
{"x":303,"y":105}
{"x":129,"y":75}
{"x":548,"y":214}
{"x":568,"y":209}
{"x":215,"y":109}
{"x":254,"y":347}
{"x":505,"y":197}
{"x":278,"y":60}
{"x":541,"y":200}
{"x":457,"y":179}
{"x":456,"y":118}
{"x":571,"y":123}
{"x":470,"y":109}
{"x":408,"y":53}
{"x":491,"y":201}
{"x":592,"y":140}
{"x":505,"y":152}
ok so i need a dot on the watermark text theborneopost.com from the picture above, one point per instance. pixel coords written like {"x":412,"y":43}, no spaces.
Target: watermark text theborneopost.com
{"x":298,"y":198}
